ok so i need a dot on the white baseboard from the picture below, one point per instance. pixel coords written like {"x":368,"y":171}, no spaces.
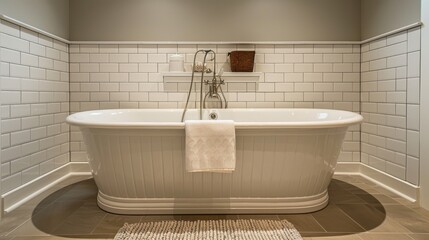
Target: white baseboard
{"x":24,"y":193}
{"x":389,"y":182}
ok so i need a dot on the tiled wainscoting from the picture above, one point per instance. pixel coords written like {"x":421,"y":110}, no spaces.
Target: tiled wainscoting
{"x":44,"y":79}
{"x":390,"y":99}
{"x":300,"y":76}
{"x":34,"y":105}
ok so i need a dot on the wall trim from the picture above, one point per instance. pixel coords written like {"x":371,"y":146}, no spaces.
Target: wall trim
{"x":15,"y":198}
{"x":19,"y":23}
{"x":413,"y":25}
{"x":37,"y":30}
{"x":388,"y":182}
{"x":219,"y":42}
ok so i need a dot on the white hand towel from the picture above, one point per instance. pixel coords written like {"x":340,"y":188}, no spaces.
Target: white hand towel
{"x":210,"y":146}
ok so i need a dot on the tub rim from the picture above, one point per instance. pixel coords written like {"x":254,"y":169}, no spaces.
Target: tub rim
{"x":354,"y":119}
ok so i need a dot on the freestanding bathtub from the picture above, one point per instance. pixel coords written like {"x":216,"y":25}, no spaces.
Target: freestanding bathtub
{"x":285,"y":160}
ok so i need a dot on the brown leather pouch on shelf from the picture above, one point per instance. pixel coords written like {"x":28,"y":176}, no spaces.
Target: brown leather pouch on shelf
{"x":242,"y":61}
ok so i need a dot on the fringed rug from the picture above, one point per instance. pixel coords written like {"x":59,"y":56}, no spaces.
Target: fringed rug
{"x":210,"y":230}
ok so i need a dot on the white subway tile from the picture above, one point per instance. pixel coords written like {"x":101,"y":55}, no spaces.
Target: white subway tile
{"x":46,"y":63}
{"x":14,"y":43}
{"x":396,"y":38}
{"x":20,"y":137}
{"x":283,"y":48}
{"x":294,"y":77}
{"x":108,"y":48}
{"x":128,"y":48}
{"x":128,"y":87}
{"x":395,"y":170}
{"x":246,"y":97}
{"x":313,"y":58}
{"x":413,"y":90}
{"x":273,"y":58}
{"x":413,"y":64}
{"x":386,"y":74}
{"x":313,"y":96}
{"x":343,"y":67}
{"x":19,"y":71}
{"x":118,"y":77}
{"x":304,"y":48}
{"x":283,"y":67}
{"x":313,"y":77}
{"x":339,"y":48}
{"x":264,"y":67}
{"x":324,"y":48}
{"x":119,"y":96}
{"x":52,"y":53}
{"x":9,"y":28}
{"x":158,"y":97}
{"x":147,"y":48}
{"x":378,"y":64}
{"x":99,"y":58}
{"x":79,"y":57}
{"x":332,"y":58}
{"x":293,"y":58}
{"x":89,"y":48}
{"x":128,"y":67}
{"x":413,"y":117}
{"x":283,"y":87}
{"x":264,"y":48}
{"x":273,"y":77}
{"x":109,"y":87}
{"x":148,"y":67}
{"x":397,"y":61}
{"x":137,"y":58}
{"x":29,"y":60}
{"x":414,"y":40}
{"x":377,"y":44}
{"x":157,"y":58}
{"x":332,"y":77}
{"x":303,"y":67}
{"x":4,"y":69}
{"x":304,"y":87}
{"x":413,"y":143}
{"x":351,"y":58}
{"x":10,"y":56}
{"x":118,"y":58}
{"x":109,"y":67}
{"x":323,"y":67}
{"x":412,"y":173}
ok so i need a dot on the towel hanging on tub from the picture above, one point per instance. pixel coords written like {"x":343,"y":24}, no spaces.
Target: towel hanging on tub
{"x":210,"y":146}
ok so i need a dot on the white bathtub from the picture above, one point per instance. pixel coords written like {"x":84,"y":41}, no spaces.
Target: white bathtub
{"x":285,"y":160}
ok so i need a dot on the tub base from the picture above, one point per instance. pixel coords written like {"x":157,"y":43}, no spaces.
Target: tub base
{"x":149,"y":206}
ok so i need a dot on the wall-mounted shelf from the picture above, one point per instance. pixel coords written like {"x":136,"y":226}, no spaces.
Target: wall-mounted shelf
{"x":227,"y":76}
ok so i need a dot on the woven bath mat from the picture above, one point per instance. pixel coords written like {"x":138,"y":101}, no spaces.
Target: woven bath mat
{"x":210,"y":230}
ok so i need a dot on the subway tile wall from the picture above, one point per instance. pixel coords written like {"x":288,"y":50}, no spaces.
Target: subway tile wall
{"x":34,"y":95}
{"x":39,"y":88}
{"x":293,"y":76}
{"x":390,"y":96}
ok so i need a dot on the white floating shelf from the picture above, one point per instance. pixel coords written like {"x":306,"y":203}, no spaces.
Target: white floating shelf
{"x":227,"y":76}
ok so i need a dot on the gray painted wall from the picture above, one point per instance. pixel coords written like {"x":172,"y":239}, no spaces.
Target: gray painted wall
{"x":51,"y":16}
{"x":216,"y":20}
{"x":381,"y":16}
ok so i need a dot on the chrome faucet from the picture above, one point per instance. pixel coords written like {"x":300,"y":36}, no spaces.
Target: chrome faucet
{"x":215,"y":85}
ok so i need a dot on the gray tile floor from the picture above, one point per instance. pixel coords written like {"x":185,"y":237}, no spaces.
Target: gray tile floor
{"x":358,"y":210}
